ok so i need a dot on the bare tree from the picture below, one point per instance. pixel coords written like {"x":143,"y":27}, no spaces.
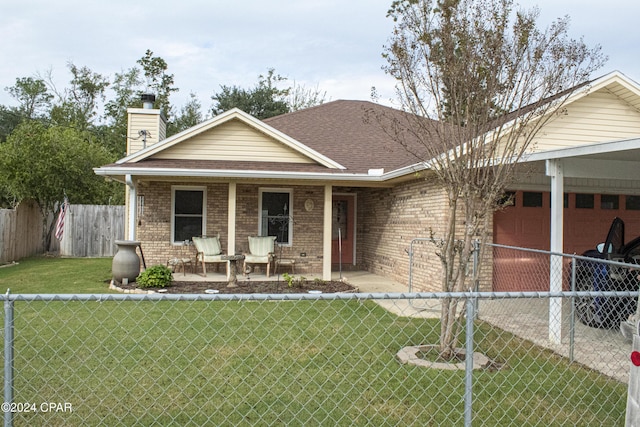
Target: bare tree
{"x":78,"y":104}
{"x":480,"y":80}
{"x":301,"y":97}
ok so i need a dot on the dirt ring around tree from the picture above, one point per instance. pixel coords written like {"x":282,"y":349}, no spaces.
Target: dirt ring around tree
{"x":410,"y":355}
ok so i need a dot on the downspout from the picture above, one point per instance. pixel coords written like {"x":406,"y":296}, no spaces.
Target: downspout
{"x":132,"y":208}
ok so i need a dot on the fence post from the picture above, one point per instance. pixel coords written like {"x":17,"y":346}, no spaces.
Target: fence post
{"x":476,"y":274}
{"x":468,"y":359}
{"x":8,"y":360}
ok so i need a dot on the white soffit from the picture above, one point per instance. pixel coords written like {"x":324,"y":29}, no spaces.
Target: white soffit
{"x":609,"y":160}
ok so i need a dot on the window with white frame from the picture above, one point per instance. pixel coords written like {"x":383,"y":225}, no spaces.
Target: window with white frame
{"x":188,"y":213}
{"x":275,"y":214}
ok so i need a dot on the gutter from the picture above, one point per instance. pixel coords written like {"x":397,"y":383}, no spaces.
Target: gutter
{"x":207,"y":173}
{"x":222,"y":173}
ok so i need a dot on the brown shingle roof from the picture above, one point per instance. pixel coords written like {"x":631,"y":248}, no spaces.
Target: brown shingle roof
{"x":348,"y":132}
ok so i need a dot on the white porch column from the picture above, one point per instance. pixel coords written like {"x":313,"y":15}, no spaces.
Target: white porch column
{"x":231,"y":220}
{"x":555,"y":171}
{"x":326,"y":234}
{"x":133,"y":208}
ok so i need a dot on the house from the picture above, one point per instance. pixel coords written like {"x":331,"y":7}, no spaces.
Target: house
{"x":353,"y":198}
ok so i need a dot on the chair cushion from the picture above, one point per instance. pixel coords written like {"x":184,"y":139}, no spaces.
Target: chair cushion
{"x":207,"y":245}
{"x":261,"y":246}
{"x":256,"y":259}
{"x":213,"y":258}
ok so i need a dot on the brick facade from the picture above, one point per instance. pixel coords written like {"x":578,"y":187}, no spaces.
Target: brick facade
{"x":388,"y":219}
{"x":154,"y":225}
{"x":307,"y":225}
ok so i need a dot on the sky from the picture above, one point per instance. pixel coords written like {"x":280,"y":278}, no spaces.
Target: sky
{"x":333,"y":45}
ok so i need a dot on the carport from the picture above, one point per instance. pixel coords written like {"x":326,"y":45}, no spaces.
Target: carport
{"x":614,"y":161}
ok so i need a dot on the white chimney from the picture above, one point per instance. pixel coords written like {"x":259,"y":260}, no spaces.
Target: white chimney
{"x":146,"y":126}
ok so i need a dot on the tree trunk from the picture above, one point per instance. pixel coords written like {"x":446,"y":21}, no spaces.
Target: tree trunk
{"x":455,"y":260}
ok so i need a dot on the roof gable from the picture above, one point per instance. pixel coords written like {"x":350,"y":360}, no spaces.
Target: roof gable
{"x":602,"y":110}
{"x":345,"y":138}
{"x":616,"y":83}
{"x":233,"y":141}
{"x":599,"y":116}
{"x":221,"y":138}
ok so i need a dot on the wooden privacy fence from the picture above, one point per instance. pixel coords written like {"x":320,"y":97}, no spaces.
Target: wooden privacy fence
{"x":20,"y":232}
{"x":91,"y":230}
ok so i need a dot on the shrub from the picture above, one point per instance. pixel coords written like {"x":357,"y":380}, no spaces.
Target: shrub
{"x":289,"y":278}
{"x":158,"y":276}
{"x":292,"y":281}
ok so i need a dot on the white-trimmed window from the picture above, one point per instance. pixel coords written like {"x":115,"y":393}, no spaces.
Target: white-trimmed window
{"x":188,"y":212}
{"x":275,"y":214}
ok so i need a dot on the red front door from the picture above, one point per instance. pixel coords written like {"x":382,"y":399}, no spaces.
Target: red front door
{"x":342,"y":229}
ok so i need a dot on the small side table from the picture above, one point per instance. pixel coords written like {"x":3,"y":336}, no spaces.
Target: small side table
{"x":176,"y":263}
{"x":290,"y":262}
{"x":233,"y":268}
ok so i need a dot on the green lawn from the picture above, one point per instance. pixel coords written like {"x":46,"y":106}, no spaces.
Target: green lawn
{"x":270,"y":363}
{"x":46,"y":275}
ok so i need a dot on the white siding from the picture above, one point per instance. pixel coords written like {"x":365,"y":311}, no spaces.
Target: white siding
{"x":233,"y":141}
{"x":598,"y":117}
{"x":625,"y":93}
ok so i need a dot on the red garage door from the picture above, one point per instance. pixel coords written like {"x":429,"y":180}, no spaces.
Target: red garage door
{"x":526,"y":223}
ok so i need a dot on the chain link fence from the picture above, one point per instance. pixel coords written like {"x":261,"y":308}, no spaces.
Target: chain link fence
{"x":328,"y":359}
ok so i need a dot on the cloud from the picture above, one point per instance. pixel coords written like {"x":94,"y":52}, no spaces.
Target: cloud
{"x":334,"y":44}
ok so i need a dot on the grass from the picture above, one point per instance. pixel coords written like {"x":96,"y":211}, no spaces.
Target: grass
{"x":45,"y":275}
{"x":271,"y":363}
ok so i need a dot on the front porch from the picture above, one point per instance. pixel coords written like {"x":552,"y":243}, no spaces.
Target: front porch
{"x":314,"y":225}
{"x":373,"y":225}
